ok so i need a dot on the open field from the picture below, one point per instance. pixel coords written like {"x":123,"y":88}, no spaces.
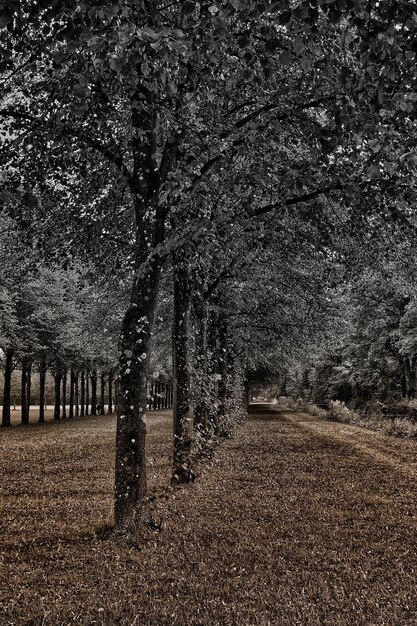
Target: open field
{"x":292,"y":522}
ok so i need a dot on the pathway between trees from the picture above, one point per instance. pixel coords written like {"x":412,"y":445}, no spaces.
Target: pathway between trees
{"x":295,"y":521}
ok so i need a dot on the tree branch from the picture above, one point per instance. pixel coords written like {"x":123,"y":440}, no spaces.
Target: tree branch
{"x":248,"y":118}
{"x":295,"y":200}
{"x":80,"y":134}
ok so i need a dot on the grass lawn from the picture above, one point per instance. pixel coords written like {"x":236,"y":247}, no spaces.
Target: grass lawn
{"x":290,"y":523}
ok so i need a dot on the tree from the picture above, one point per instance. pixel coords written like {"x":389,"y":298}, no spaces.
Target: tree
{"x":137,"y":89}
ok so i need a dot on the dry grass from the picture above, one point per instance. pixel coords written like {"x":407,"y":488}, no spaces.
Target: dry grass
{"x":16,"y":418}
{"x":373,"y":419}
{"x":291,"y":523}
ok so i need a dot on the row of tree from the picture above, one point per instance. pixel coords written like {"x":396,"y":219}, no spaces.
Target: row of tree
{"x":215,"y":153}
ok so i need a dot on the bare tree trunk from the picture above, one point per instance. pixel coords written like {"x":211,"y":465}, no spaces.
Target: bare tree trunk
{"x":87,"y":393}
{"x":42,"y":381}
{"x":8,"y":369}
{"x":24,"y":391}
{"x":82,"y":393}
{"x":410,"y":367}
{"x":57,"y":401}
{"x":110,"y":383}
{"x":64,"y":395}
{"x":102,"y":393}
{"x":77,"y":396}
{"x":94,"y":392}
{"x":71,"y":394}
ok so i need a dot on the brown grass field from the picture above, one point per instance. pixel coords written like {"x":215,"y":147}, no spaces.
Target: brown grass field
{"x":293,"y":522}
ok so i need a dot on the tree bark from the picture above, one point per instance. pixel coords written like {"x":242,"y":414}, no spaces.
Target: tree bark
{"x":247,"y":388}
{"x":77,"y":396}
{"x":410,"y":368}
{"x":24,"y":391}
{"x":223,"y":371}
{"x":213,"y":366}
{"x":102,"y":393}
{"x":94,"y":392}
{"x":110,"y":383}
{"x":8,"y":369}
{"x":138,"y":322}
{"x":42,"y":381}
{"x":82,"y":384}
{"x":201,"y":409}
{"x":87,"y":392}
{"x":57,"y":400}
{"x":182,"y":471}
{"x":71,"y":394}
{"x":64,"y":395}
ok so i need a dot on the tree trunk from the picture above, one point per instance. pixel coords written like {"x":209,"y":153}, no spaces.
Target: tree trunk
{"x":102,"y":393}
{"x":77,"y":396}
{"x":87,"y":392}
{"x":64,"y":395}
{"x":410,"y":367}
{"x":247,"y":387}
{"x":223,"y":371}
{"x":110,"y":383}
{"x":213,"y":365}
{"x":82,"y":384}
{"x":94,"y":392}
{"x":42,"y":381}
{"x":29,"y":388}
{"x":201,"y":408}
{"x":8,"y":369}
{"x":71,"y":394}
{"x":164,"y":396}
{"x":24,"y":391}
{"x":182,"y":471}
{"x":137,"y":326}
{"x":57,"y":400}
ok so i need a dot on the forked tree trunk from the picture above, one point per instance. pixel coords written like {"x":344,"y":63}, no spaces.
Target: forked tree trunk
{"x":138,"y":322}
{"x":42,"y":381}
{"x":94,"y":392}
{"x":82,"y":384}
{"x":182,"y":470}
{"x":57,"y":399}
{"x":8,"y":369}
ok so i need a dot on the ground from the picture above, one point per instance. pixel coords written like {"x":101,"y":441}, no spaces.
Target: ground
{"x":294,"y":521}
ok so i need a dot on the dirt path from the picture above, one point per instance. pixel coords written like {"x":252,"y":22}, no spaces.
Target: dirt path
{"x":294,"y":522}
